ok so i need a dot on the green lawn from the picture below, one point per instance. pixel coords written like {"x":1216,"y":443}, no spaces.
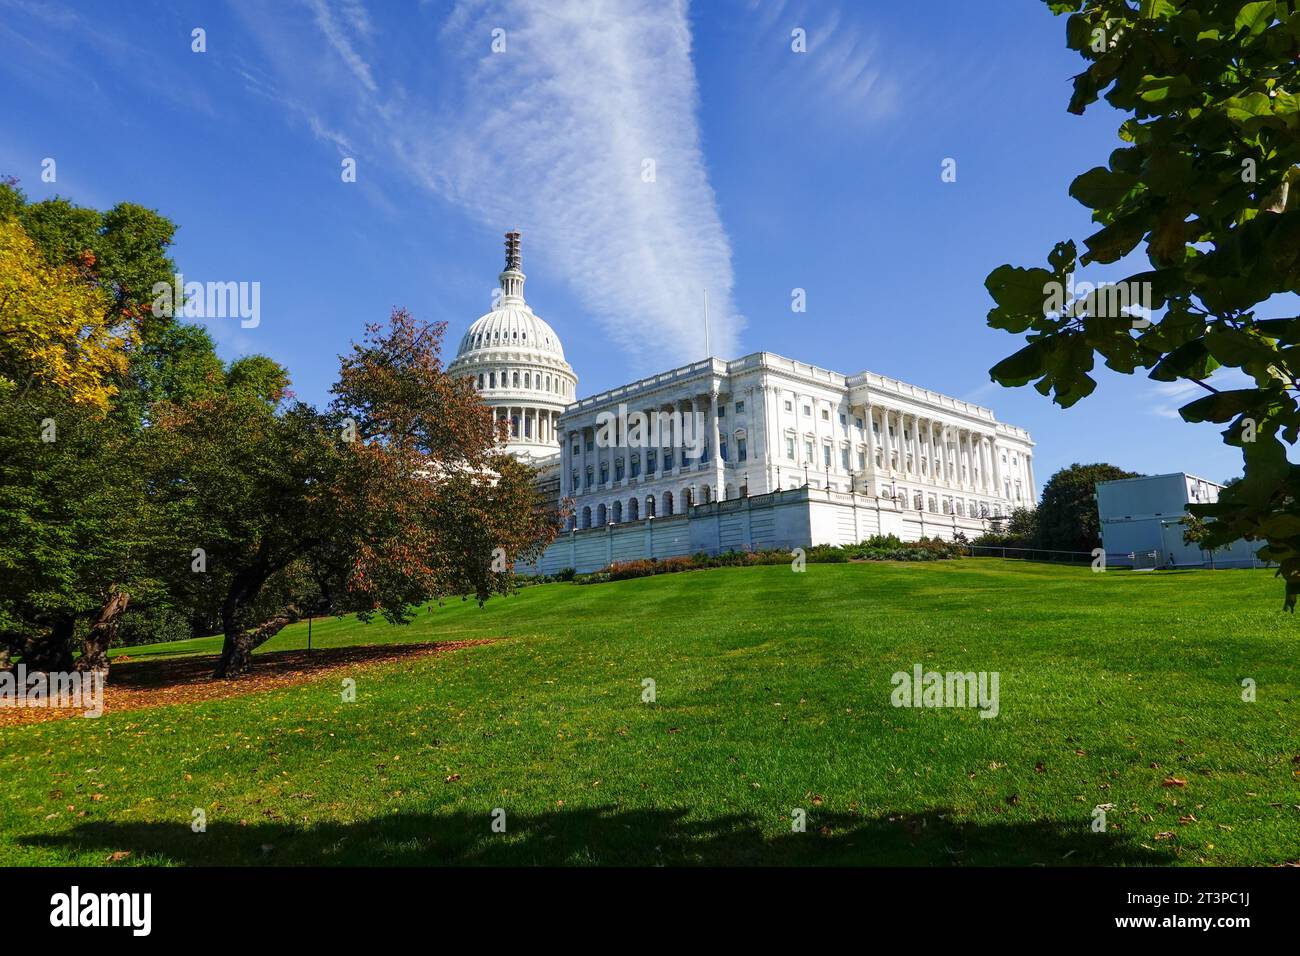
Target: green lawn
{"x":773,"y":693}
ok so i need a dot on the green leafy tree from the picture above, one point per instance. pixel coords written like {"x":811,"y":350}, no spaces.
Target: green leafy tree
{"x":1067,"y":513}
{"x":78,"y":537}
{"x":249,"y":490}
{"x":1204,"y":183}
{"x":1018,"y":530}
{"x":75,"y":530}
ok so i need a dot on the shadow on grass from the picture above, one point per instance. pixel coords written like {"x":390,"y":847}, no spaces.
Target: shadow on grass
{"x":159,"y":673}
{"x":607,"y":835}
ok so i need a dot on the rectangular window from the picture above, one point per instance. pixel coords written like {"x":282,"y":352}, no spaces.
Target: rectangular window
{"x":807,"y":451}
{"x":826,"y":455}
{"x":740,"y":449}
{"x":722,"y":448}
{"x":740,"y":407}
{"x":844,"y":421}
{"x":668,"y":460}
{"x":618,"y":470}
{"x":858,"y":423}
{"x":789,"y":406}
{"x":636,"y":465}
{"x":591,"y":445}
{"x":604,"y":474}
{"x":650,"y":462}
{"x":844,"y":458}
{"x":789,"y":448}
{"x":722,"y":411}
{"x":826,"y":414}
{"x":862,"y":458}
{"x":807,"y":410}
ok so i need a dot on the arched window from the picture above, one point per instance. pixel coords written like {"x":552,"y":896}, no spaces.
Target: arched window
{"x":633,"y":510}
{"x":668,"y":504}
{"x":601,"y":516}
{"x":480,"y":381}
{"x":514,"y":379}
{"x":586,"y":517}
{"x":687,"y":498}
{"x":617,"y":510}
{"x":526,"y":385}
{"x":649,"y":506}
{"x":492,"y":379}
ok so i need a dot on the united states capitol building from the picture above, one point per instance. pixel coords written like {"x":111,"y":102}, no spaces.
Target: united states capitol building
{"x":761,"y":451}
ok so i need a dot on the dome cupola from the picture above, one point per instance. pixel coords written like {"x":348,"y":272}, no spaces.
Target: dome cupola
{"x":516,"y":361}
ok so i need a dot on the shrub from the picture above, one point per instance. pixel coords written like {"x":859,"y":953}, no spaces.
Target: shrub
{"x":152,"y":625}
{"x":878,"y":548}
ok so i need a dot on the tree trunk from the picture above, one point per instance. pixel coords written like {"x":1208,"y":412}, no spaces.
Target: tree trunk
{"x":94,"y":653}
{"x":237,"y":651}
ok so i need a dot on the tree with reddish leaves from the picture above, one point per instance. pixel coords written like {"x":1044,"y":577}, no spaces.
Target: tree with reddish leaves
{"x":395,"y":498}
{"x":433,"y":507}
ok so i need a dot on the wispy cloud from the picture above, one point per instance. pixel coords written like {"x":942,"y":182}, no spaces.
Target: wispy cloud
{"x":555,"y":134}
{"x":340,"y":34}
{"x":840,"y":74}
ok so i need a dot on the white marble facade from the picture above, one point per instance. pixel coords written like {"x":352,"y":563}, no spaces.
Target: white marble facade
{"x":770,"y":423}
{"x":751,"y":427}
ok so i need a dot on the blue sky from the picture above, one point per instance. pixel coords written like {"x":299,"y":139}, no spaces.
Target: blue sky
{"x":774,"y":171}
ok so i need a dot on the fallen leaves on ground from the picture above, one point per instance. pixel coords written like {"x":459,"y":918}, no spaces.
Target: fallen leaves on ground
{"x":138,"y":684}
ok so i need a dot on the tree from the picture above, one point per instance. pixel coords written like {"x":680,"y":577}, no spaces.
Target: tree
{"x":1067,"y":513}
{"x":249,"y":489}
{"x":1197,"y":531}
{"x":82,"y":362}
{"x":56,"y":327}
{"x":74,"y":530}
{"x":1020,"y":530}
{"x":395,"y":497}
{"x":123,"y":253}
{"x":1205,"y":183}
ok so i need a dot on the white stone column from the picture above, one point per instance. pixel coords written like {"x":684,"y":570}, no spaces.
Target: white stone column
{"x":566,"y":471}
{"x":992,"y":469}
{"x":916,"y":446}
{"x":887,"y":449}
{"x":997,"y":468}
{"x":970,"y":459}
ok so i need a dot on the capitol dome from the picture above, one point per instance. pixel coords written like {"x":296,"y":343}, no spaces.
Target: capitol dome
{"x":517,"y":363}
{"x":511,"y":327}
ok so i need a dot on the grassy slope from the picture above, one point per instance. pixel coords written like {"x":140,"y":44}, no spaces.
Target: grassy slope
{"x":773,"y":693}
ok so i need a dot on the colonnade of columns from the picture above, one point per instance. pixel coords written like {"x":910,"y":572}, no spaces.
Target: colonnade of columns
{"x":539,"y":425}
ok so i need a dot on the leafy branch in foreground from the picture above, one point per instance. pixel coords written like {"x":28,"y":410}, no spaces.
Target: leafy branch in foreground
{"x":1206,"y":182}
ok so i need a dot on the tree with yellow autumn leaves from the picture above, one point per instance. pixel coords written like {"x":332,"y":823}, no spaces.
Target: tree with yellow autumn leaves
{"x":56,"y":328}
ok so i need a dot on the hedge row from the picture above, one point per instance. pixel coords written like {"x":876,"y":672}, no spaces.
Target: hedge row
{"x":878,"y":548}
